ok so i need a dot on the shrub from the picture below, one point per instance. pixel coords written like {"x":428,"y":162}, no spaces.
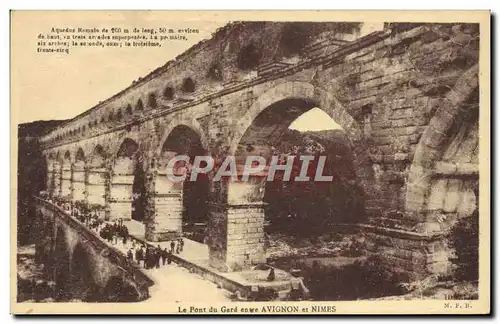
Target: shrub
{"x":464,"y":239}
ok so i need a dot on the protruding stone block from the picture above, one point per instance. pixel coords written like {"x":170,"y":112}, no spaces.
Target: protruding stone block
{"x":235,"y":239}
{"x":167,"y":200}
{"x":96,"y":187}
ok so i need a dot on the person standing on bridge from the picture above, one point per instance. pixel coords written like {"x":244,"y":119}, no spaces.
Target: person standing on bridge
{"x":271,"y":275}
{"x":149,"y":258}
{"x":181,"y":244}
{"x":158,"y":256}
{"x":130,"y":256}
{"x":164,"y":255}
{"x":172,"y":247}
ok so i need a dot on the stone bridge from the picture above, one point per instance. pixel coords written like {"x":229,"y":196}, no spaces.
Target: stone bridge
{"x":406,"y":96}
{"x":81,"y":264}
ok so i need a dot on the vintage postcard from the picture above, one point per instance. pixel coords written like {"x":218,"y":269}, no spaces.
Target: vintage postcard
{"x":246,"y":162}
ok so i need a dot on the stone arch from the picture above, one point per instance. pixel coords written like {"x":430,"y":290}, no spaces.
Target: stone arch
{"x":244,"y":200}
{"x":82,"y":283}
{"x":119,"y":289}
{"x":321,"y":97}
{"x":67,"y":155}
{"x":168,"y":93}
{"x":181,"y":121}
{"x":152,"y":101}
{"x":79,"y":155}
{"x":171,"y":199}
{"x":250,"y":56}
{"x":62,"y":265}
{"x":435,"y":139}
{"x":324,"y":99}
{"x":116,"y":146}
{"x":98,"y":156}
{"x":128,"y":147}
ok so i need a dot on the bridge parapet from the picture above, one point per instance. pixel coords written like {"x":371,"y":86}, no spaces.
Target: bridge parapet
{"x":116,"y":263}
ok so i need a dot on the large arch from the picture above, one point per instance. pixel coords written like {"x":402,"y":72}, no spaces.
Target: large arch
{"x":436,"y":139}
{"x":82,"y":283}
{"x":62,"y":268}
{"x":256,"y":133}
{"x":309,"y":95}
{"x":118,"y":289}
{"x":320,"y":97}
{"x":175,"y":202}
{"x":181,"y":120}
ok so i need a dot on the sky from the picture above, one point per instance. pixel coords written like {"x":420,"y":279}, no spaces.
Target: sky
{"x":48,"y":86}
{"x":60,"y":86}
{"x":314,"y":120}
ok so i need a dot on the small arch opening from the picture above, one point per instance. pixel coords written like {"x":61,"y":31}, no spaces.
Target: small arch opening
{"x":215,"y":72}
{"x":249,"y":57}
{"x":188,"y":85}
{"x":152,"y":101}
{"x":168,"y":93}
{"x":139,"y":105}
{"x":294,"y":37}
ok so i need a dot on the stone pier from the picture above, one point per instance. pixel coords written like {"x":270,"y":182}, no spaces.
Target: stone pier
{"x":168,"y":209}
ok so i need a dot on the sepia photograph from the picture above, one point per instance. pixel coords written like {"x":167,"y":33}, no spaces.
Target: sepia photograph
{"x":319,"y":162}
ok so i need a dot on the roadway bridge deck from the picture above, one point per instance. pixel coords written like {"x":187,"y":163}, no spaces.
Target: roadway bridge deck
{"x":194,"y":257}
{"x":189,"y":278}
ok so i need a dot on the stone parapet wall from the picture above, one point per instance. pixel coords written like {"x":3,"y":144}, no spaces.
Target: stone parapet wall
{"x":108,"y":261}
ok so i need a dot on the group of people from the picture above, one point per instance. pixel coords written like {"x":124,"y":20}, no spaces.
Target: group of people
{"x":113,"y":232}
{"x":177,"y":247}
{"x":85,"y":216}
{"x":152,"y":257}
{"x":145,"y":255}
{"x":149,"y":256}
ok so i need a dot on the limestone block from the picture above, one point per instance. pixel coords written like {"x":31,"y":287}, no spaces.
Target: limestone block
{"x":467,"y":203}
{"x":437,"y":194}
{"x":452,"y":198}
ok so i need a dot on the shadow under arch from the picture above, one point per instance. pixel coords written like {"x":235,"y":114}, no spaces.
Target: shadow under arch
{"x":118,"y":289}
{"x":61,"y":267}
{"x":82,"y":283}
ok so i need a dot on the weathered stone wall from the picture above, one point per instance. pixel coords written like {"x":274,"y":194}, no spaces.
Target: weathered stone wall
{"x":392,"y":92}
